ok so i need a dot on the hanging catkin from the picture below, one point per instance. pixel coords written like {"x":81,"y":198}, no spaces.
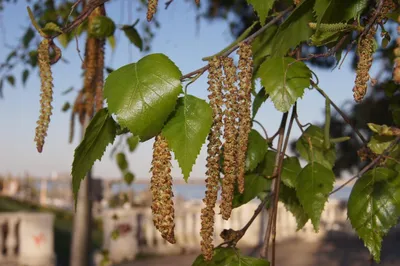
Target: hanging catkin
{"x":230,"y":137}
{"x":151,"y":9}
{"x":244,"y":105}
{"x":396,"y":71}
{"x":100,"y":75}
{"x":46,"y":96}
{"x":161,"y":189}
{"x":366,"y":50}
{"x":213,"y":158}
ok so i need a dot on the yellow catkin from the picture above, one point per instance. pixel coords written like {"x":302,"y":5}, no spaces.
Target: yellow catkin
{"x":230,"y":136}
{"x":151,"y":9}
{"x":396,"y":71}
{"x":244,"y":105}
{"x":161,"y":189}
{"x":46,"y":96}
{"x":213,"y":158}
{"x":366,"y":50}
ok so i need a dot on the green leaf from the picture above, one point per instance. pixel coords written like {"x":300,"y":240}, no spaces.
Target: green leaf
{"x":254,"y":184}
{"x":101,"y":27}
{"x":132,"y":141}
{"x":25,"y":75}
{"x":28,"y":37}
{"x":317,"y":151}
{"x":121,"y":161}
{"x":294,"y":30}
{"x":187,"y":130}
{"x":260,"y":98}
{"x":384,"y":130}
{"x":99,"y":133}
{"x":314,"y":184}
{"x":67,"y":91}
{"x":285,"y":80}
{"x":262,"y":46}
{"x":266,"y":167}
{"x":111,"y":42}
{"x":327,"y":10}
{"x":66,"y":107}
{"x":51,"y":28}
{"x":256,"y":149}
{"x":262,"y":7}
{"x":129,"y":177}
{"x":290,"y":170}
{"x":11,"y":80}
{"x":143,"y":94}
{"x":288,"y":197}
{"x":229,"y":257}
{"x":11,"y":55}
{"x":133,"y":36}
{"x":378,"y":144}
{"x":374,"y":206}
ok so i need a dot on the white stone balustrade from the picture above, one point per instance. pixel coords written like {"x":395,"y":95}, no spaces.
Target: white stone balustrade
{"x":146,"y":239}
{"x":28,"y":239}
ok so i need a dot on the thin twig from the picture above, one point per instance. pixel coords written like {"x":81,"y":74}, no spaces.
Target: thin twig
{"x":278,"y":182}
{"x":271,"y":210}
{"x":262,"y":127}
{"x":247,"y":40}
{"x":369,"y":166}
{"x":342,"y":114}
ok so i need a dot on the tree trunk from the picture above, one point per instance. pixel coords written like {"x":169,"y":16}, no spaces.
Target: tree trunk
{"x":81,"y":233}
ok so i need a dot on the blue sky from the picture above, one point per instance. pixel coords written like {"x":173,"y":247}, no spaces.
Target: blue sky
{"x":178,"y":38}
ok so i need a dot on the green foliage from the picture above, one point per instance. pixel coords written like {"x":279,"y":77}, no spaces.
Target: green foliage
{"x":260,"y":98}
{"x":262,"y":46}
{"x":101,"y":27}
{"x":254,"y":184}
{"x":11,"y":80}
{"x":133,"y":36}
{"x":132,"y":142}
{"x":129,"y":177}
{"x":25,"y":75}
{"x":143,"y":94}
{"x":229,"y":257}
{"x":288,"y":197}
{"x":290,"y":169}
{"x":266,"y":167}
{"x":378,"y":144}
{"x":262,"y":7}
{"x":121,"y":161}
{"x":374,"y":207}
{"x":383,"y":130}
{"x":314,"y":183}
{"x":316,"y":152}
{"x":100,"y":132}
{"x":256,"y":149}
{"x":285,"y":80}
{"x":187,"y":130}
{"x":294,"y":30}
{"x":332,"y":11}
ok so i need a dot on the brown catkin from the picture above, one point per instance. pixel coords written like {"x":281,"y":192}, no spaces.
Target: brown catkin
{"x":197,"y":2}
{"x":151,"y":9}
{"x":100,"y":75}
{"x":396,"y":71}
{"x":161,"y":189}
{"x":214,"y":151}
{"x":244,"y":105}
{"x":230,"y":136}
{"x":366,"y":50}
{"x":46,"y":96}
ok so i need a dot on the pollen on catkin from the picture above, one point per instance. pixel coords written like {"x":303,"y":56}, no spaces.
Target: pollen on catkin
{"x":230,"y":137}
{"x":366,"y":50}
{"x":100,"y":75}
{"x":151,"y":9}
{"x":213,"y":158}
{"x":244,"y":104}
{"x":46,"y":96}
{"x":161,"y":190}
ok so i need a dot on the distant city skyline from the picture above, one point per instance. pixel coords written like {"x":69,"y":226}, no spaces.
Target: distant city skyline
{"x":177,"y":38}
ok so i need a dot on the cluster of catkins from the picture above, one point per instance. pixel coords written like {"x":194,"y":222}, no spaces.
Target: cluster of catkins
{"x":46,"y":96}
{"x":235,"y":120}
{"x":366,"y":50}
{"x":152,"y":8}
{"x":396,"y":71}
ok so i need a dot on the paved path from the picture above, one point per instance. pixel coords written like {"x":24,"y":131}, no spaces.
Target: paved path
{"x":333,"y":250}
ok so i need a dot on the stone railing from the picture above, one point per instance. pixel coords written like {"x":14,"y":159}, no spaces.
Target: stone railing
{"x":138,"y":234}
{"x":27,"y":239}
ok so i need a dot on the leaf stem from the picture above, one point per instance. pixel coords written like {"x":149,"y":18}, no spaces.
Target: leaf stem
{"x":327,"y":126}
